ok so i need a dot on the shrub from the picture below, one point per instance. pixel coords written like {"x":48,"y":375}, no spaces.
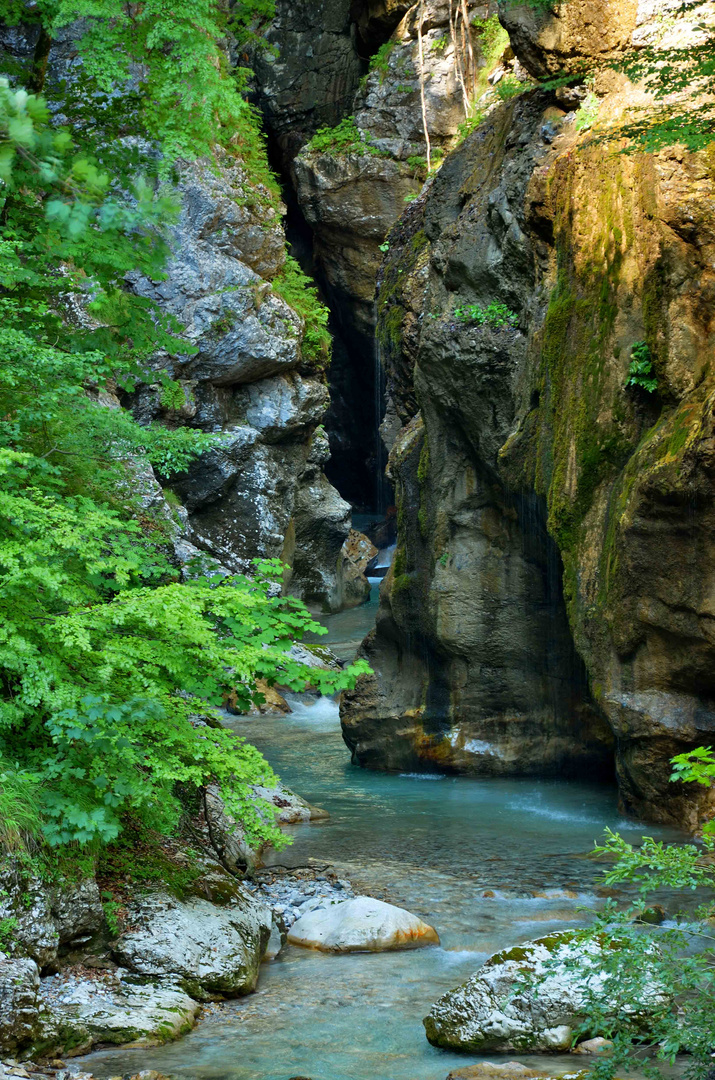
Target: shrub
{"x":495,"y":314}
{"x":683,"y":959}
{"x":344,"y":138}
{"x":509,"y":87}
{"x":300,"y":292}
{"x":640,"y":372}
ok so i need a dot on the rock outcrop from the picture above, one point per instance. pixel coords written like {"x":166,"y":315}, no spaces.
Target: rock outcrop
{"x":112,"y":1009}
{"x":532,"y":997}
{"x":207,"y":948}
{"x":255,"y":494}
{"x":350,"y":194}
{"x":542,"y":500}
{"x":309,"y":76}
{"x":19,"y":1004}
{"x":42,"y":921}
{"x":360,"y":925}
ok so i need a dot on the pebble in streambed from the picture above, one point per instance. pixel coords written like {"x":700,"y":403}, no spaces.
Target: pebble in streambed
{"x":322,"y":912}
{"x":293,"y":894}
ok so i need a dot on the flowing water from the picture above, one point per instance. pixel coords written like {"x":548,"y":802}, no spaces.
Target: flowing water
{"x":489,"y":863}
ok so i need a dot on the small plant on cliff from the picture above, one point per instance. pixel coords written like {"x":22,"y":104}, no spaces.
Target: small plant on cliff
{"x":472,"y":122}
{"x":344,"y":138}
{"x":588,"y":113}
{"x":510,"y":87}
{"x":495,"y":314}
{"x":380,"y":62}
{"x":640,"y":372}
{"x":300,"y":292}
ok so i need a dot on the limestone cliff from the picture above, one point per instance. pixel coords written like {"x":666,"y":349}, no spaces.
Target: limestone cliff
{"x":359,"y":63}
{"x":540,"y":497}
{"x":262,"y":492}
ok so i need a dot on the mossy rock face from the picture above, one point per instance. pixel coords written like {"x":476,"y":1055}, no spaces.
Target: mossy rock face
{"x":19,"y":1003}
{"x":113,"y":1009}
{"x":538,"y":446}
{"x":532,"y":998}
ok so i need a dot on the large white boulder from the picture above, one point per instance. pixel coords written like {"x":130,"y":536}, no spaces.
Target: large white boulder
{"x":361,"y":925}
{"x":209,"y":949}
{"x":532,"y":997}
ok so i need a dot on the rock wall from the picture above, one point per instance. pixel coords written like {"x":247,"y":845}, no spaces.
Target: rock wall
{"x":532,"y":463}
{"x":350,"y":197}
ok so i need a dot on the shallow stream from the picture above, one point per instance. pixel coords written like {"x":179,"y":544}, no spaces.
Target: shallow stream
{"x":489,"y":863}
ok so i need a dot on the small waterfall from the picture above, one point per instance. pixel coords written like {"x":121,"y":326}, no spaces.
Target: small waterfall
{"x":380,"y":462}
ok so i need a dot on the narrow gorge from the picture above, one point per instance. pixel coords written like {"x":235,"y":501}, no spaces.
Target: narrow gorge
{"x":357,"y":404}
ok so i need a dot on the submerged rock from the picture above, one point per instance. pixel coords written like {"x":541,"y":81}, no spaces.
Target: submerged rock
{"x":508,"y":1070}
{"x":207,"y":948}
{"x":502,"y":1008}
{"x":361,"y":925}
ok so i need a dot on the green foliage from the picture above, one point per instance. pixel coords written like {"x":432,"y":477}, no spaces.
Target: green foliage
{"x":345,"y":138}
{"x":418,"y":163}
{"x":111,"y":908}
{"x":107,"y":661}
{"x":186,"y":100}
{"x":380,"y":62}
{"x":493,"y":38}
{"x":495,"y":314}
{"x":509,"y":87}
{"x":698,"y":767}
{"x":298,"y":290}
{"x":640,"y":372}
{"x":472,"y":122}
{"x":588,"y":113}
{"x":248,"y":20}
{"x":8,"y":926}
{"x":105,"y":670}
{"x":20,"y":822}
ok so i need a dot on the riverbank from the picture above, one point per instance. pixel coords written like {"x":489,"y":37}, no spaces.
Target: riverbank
{"x":488,"y":863}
